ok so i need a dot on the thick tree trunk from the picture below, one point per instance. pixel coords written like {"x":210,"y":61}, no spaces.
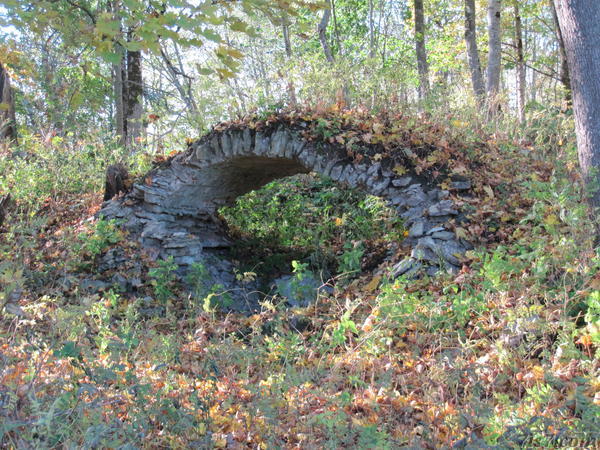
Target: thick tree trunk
{"x":134,"y":107}
{"x":494,"y":56}
{"x":580,"y":29}
{"x":565,"y":79}
{"x":8,"y":128}
{"x":422,"y":65}
{"x":520,"y":68}
{"x":322,"y":29}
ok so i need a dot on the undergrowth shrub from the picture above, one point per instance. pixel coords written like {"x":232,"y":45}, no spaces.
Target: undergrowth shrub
{"x":41,"y":169}
{"x":310,"y":216}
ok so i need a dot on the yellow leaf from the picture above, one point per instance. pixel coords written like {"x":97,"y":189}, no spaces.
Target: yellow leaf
{"x":372,"y":285}
{"x":551,"y":219}
{"x":460,"y":124}
{"x":339,"y":221}
{"x":377,"y":157}
{"x":219,"y":442}
{"x":460,"y":168}
{"x":368,"y":324}
{"x":461,"y":233}
{"x":399,"y":169}
{"x":538,"y":373}
{"x":585,"y":340}
{"x":488,"y":190}
{"x":377,"y":127}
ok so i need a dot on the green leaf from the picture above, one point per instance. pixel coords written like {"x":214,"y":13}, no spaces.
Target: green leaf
{"x":211,"y":35}
{"x":204,"y":70}
{"x":133,"y":46}
{"x":111,"y":57}
{"x":238,"y":25}
{"x":68,"y":350}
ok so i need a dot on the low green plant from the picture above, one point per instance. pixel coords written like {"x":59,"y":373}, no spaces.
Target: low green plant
{"x":163,"y":277}
{"x":346,"y":325}
{"x":199,"y":279}
{"x":105,"y":234}
{"x":592,"y":318}
{"x":217,"y":299}
{"x":350,"y":260}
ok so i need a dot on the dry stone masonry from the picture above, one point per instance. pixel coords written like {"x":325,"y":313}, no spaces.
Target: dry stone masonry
{"x":173,"y":209}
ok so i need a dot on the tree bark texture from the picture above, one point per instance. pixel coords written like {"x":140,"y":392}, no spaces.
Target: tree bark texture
{"x":116,"y":181}
{"x":494,"y":55}
{"x":322,"y":29}
{"x":134,"y":106}
{"x":580,"y":28}
{"x":472,"y":51}
{"x":118,"y":92}
{"x":5,"y":203}
{"x":520,"y":67}
{"x":288,"y":51}
{"x":8,"y":129}
{"x":422,"y":66}
{"x":565,"y":79}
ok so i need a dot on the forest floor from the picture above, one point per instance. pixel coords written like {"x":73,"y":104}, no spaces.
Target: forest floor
{"x":504,"y":354}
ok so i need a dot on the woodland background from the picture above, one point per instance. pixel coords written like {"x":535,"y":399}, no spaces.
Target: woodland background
{"x":504,"y":353}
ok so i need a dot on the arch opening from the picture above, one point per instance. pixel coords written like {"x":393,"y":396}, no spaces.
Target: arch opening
{"x":336,"y":230}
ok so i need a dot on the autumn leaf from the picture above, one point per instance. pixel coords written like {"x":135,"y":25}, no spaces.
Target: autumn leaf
{"x":399,"y":169}
{"x":372,"y":285}
{"x":551,"y":219}
{"x":489,"y":191}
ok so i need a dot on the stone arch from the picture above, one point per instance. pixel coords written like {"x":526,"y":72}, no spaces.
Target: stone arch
{"x":173,"y":209}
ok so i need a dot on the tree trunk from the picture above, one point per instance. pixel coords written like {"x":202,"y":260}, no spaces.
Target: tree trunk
{"x":5,"y":203}
{"x":520,"y":68}
{"x":8,"y":128}
{"x":565,"y":79}
{"x":322,"y":29}
{"x":116,"y":182}
{"x":134,"y":106}
{"x":473,"y":52}
{"x":118,"y":92}
{"x":534,"y":75}
{"x":371,"y":29}
{"x":288,"y":51}
{"x":422,"y":65}
{"x":580,"y":29}
{"x":494,"y":56}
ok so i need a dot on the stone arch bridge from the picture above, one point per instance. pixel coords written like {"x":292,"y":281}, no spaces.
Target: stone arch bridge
{"x":173,"y":209}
